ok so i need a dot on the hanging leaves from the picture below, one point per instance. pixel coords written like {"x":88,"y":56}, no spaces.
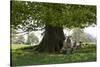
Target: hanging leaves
{"x":35,"y":15}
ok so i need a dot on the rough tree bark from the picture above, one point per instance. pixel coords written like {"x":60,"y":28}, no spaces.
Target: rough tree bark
{"x":53,"y":40}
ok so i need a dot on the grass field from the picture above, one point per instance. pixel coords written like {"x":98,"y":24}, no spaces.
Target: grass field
{"x":22,"y":57}
{"x":18,"y":46}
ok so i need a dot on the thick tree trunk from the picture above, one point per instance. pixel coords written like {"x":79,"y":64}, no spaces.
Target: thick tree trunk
{"x":53,"y":40}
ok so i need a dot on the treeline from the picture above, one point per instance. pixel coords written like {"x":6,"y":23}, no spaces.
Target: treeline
{"x":29,"y":39}
{"x":79,"y":35}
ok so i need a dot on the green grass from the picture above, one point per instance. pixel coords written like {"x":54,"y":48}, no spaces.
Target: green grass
{"x":18,"y":46}
{"x":30,"y":57}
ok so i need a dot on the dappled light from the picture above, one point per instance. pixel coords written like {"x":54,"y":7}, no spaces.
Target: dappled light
{"x":52,"y":33}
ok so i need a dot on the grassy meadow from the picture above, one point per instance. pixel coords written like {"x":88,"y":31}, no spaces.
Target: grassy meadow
{"x":22,"y":56}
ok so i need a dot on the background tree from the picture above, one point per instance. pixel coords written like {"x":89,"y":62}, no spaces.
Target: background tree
{"x":52,"y":17}
{"x":13,"y":36}
{"x":79,"y":35}
{"x":32,"y":39}
{"x":20,"y":39}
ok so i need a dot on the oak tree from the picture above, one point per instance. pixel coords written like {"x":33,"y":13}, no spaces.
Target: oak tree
{"x":53,"y":17}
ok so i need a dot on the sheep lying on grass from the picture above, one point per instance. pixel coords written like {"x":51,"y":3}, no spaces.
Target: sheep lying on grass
{"x":69,"y":45}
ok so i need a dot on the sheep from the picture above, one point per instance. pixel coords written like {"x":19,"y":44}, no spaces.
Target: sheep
{"x":67,"y":45}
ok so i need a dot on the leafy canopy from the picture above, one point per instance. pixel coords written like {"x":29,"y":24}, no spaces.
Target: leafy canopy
{"x":35,"y":15}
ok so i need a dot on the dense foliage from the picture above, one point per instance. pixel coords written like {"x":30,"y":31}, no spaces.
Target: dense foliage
{"x":31,"y":16}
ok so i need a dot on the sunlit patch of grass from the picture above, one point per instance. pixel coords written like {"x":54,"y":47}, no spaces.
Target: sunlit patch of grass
{"x":17,"y":46}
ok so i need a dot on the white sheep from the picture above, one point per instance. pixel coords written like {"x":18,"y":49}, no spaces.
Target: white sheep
{"x":67,"y":45}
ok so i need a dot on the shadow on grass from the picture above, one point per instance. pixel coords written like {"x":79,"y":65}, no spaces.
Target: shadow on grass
{"x":27,"y":56}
